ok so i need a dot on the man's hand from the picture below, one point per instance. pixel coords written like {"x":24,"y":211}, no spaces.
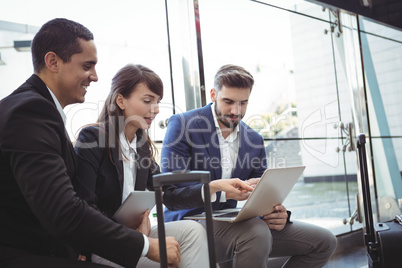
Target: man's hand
{"x":172,"y":251}
{"x":145,"y":226}
{"x":235,"y":188}
{"x":253,"y":182}
{"x":277,"y":219}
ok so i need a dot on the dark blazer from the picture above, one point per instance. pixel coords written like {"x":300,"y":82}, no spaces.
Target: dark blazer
{"x":100,"y":175}
{"x":191,"y":143}
{"x":40,"y":212}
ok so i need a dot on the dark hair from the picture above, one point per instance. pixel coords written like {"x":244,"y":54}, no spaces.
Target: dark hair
{"x":233,"y":76}
{"x":125,"y":82}
{"x":59,"y":36}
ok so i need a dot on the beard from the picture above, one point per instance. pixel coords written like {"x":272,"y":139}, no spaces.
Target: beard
{"x":224,"y":119}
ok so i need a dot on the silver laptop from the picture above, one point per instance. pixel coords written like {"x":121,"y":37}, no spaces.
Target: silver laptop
{"x":272,"y":189}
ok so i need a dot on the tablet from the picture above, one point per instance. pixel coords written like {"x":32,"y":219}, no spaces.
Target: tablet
{"x":136,"y":203}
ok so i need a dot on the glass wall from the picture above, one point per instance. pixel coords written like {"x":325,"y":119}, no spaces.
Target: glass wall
{"x":128,"y":31}
{"x":309,"y":101}
{"x":301,"y":101}
{"x":382,"y":55}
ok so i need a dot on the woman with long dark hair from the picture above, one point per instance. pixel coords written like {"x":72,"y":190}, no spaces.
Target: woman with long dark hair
{"x":116,"y":157}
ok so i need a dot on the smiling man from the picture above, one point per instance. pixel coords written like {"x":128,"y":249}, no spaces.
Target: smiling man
{"x":42,"y":221}
{"x":214,"y":138}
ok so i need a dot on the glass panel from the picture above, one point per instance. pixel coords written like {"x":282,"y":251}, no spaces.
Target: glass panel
{"x":184,"y":59}
{"x":315,"y":78}
{"x":350,"y":75}
{"x":299,"y":6}
{"x":321,"y":194}
{"x":383,"y":65}
{"x":353,"y":186}
{"x":296,"y":53}
{"x":294,"y":103}
{"x":284,"y":153}
{"x":388,"y":175}
{"x":322,"y":203}
{"x":125,"y":32}
{"x":398,"y":149}
{"x":381,"y":30}
{"x":14,"y":64}
{"x":349,"y":82}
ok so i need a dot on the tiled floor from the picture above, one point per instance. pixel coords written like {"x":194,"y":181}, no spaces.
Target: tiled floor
{"x":354,"y":258}
{"x":351,"y":258}
{"x":351,"y":252}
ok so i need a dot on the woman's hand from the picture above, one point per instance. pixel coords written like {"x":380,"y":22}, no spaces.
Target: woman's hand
{"x":145,"y":226}
{"x":235,"y":188}
{"x":82,"y":257}
{"x":172,"y":251}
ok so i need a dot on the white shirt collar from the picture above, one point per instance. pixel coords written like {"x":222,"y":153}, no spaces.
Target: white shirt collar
{"x":126,"y":145}
{"x":232,"y":136}
{"x":58,"y":106}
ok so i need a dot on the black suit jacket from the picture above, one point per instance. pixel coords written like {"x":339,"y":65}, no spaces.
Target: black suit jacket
{"x":100,"y":175}
{"x":40,"y":212}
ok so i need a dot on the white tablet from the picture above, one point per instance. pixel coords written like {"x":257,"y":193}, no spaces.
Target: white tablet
{"x":136,"y":203}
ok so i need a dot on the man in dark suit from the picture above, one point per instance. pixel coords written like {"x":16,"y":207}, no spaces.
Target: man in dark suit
{"x":42,"y":221}
{"x":214,"y":138}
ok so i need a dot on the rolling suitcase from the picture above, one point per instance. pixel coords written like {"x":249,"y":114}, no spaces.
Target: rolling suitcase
{"x":181,"y":177}
{"x":382,"y":240}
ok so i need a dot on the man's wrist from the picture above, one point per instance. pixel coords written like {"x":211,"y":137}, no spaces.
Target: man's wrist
{"x":213,"y":196}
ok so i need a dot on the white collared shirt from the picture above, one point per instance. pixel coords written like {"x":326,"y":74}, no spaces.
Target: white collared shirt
{"x":58,"y":106}
{"x":229,"y":149}
{"x":130,"y":174}
{"x":228,"y":146}
{"x":129,"y":169}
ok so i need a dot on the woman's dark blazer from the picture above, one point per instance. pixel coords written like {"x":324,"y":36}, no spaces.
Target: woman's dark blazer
{"x":100,"y":175}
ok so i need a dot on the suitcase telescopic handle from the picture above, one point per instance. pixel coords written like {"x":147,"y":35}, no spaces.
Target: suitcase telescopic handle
{"x":368,"y":212}
{"x":362,"y":139}
{"x":183,"y":177}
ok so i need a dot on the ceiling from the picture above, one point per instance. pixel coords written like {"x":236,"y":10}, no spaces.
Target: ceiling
{"x":388,"y":12}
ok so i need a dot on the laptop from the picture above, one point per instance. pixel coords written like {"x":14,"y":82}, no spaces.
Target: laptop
{"x":130,"y":211}
{"x":271,"y":189}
